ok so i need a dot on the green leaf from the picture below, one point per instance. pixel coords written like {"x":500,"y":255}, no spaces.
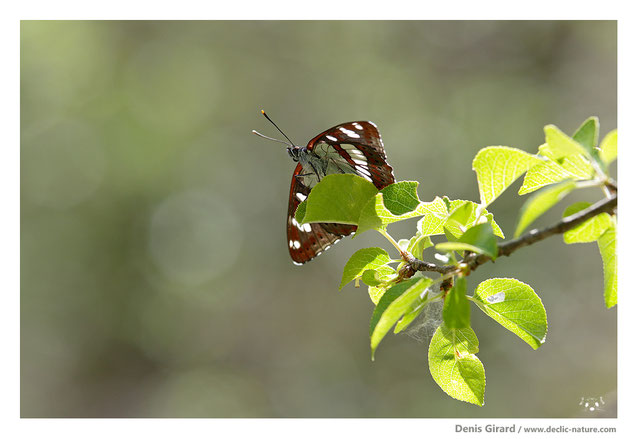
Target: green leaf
{"x":448,"y":203}
{"x":371,"y":278}
{"x":482,"y":237}
{"x":416,"y":309}
{"x":495,"y":227}
{"x":539,"y":204}
{"x":577,"y":166}
{"x":588,"y":231}
{"x":607,"y":247}
{"x":301,"y":212}
{"x":456,"y":246}
{"x":417,"y":244}
{"x":565,"y":157}
{"x":478,"y":239}
{"x":541,"y":175}
{"x":435,"y":214}
{"x":460,"y":222}
{"x":400,"y":197}
{"x":378,"y":276}
{"x":376,"y":293}
{"x":497,"y":167}
{"x":338,"y":198}
{"x":609,"y":147}
{"x":587,"y":135}
{"x":514,"y":305}
{"x":560,"y":144}
{"x":456,"y":308}
{"x":393,"y":305}
{"x":362,"y":260}
{"x":454,"y":366}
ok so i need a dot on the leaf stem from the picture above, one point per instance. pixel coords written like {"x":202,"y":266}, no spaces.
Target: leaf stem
{"x":392,"y":241}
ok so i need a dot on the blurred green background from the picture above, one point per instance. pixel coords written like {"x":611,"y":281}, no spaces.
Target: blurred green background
{"x":155,"y":277}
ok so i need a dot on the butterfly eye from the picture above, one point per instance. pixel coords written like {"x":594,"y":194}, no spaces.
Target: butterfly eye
{"x":293,"y":153}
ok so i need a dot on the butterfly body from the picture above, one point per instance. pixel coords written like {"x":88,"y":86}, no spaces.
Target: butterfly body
{"x":347,"y":148}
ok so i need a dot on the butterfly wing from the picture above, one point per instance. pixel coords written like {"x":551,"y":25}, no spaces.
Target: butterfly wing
{"x":306,"y":241}
{"x":352,"y":147}
{"x":357,"y":146}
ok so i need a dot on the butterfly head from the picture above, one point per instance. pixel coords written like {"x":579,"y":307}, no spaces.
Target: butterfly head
{"x":293,"y":152}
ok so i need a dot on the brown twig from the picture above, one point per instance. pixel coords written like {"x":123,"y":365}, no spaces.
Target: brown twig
{"x":473,"y":260}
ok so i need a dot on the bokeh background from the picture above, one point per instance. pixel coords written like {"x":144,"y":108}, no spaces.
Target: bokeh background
{"x":155,"y":278}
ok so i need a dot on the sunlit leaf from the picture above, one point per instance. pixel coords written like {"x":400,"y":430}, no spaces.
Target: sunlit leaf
{"x":401,"y":197}
{"x":543,"y":174}
{"x":417,"y":244}
{"x":609,"y":147}
{"x":460,"y":222}
{"x":560,"y":144}
{"x":301,"y":212}
{"x":577,"y":166}
{"x":393,"y":305}
{"x":418,"y":306}
{"x":378,"y":276}
{"x":607,"y":247}
{"x":587,"y":135}
{"x":454,"y":366}
{"x":338,"y":198}
{"x":541,"y":202}
{"x":376,"y":293}
{"x":588,"y":231}
{"x":497,"y":167}
{"x":481,"y":238}
{"x":459,"y":218}
{"x":565,"y":158}
{"x":514,"y":305}
{"x":435,"y":214}
{"x":456,"y":308}
{"x":362,"y":260}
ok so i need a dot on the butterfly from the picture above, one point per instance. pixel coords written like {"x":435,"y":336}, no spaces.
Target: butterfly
{"x":348,"y":148}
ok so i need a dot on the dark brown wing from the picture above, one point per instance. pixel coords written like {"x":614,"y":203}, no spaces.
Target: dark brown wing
{"x":306,"y":241}
{"x":359,"y":144}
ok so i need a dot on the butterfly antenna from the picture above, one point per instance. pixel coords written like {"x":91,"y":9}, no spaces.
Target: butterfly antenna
{"x":278,"y":129}
{"x":270,"y":138}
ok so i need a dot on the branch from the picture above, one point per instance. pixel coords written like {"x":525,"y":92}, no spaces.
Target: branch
{"x":473,"y":260}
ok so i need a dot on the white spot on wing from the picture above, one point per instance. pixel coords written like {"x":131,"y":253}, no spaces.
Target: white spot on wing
{"x":334,"y":139}
{"x":357,"y":126}
{"x":296,"y":244}
{"x":306,"y":228}
{"x":300,"y":196}
{"x":360,"y":162}
{"x":349,"y":133}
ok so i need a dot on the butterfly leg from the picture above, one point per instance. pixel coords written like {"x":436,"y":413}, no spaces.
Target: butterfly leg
{"x":300,"y":176}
